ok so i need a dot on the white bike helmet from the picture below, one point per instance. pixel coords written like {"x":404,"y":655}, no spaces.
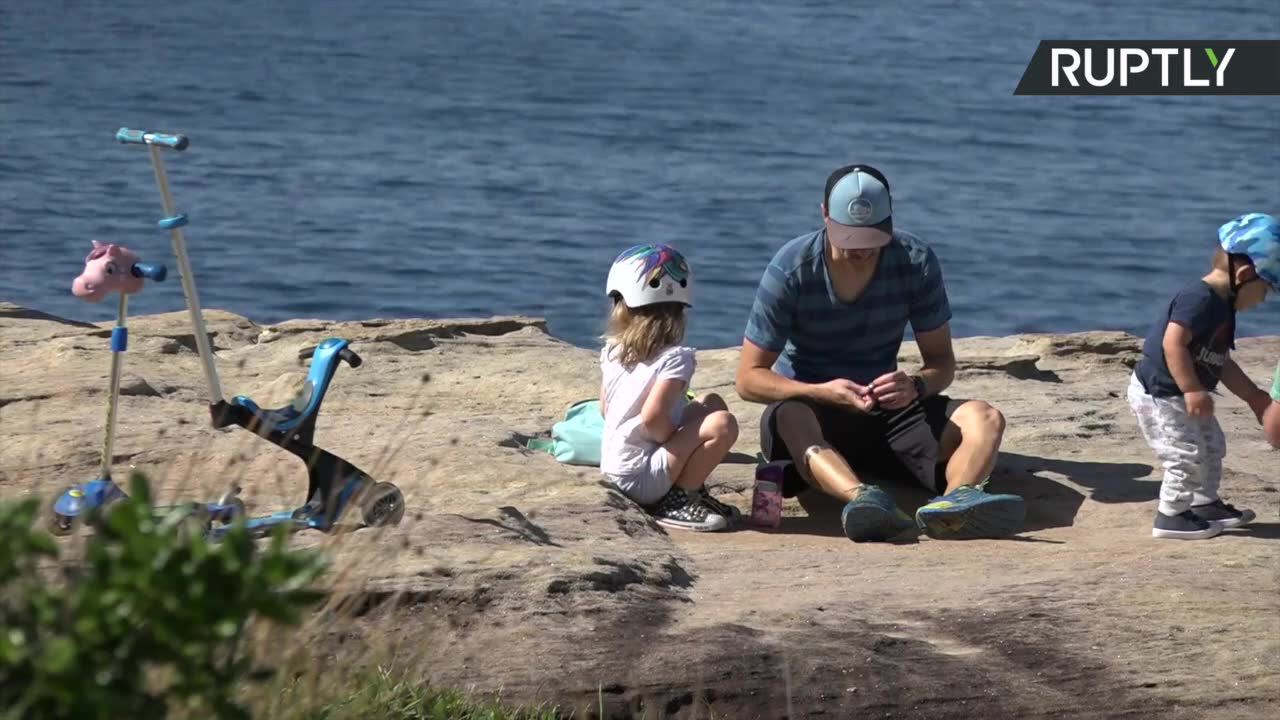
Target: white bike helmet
{"x":650,"y":274}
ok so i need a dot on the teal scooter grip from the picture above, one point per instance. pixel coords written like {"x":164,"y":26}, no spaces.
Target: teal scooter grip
{"x":142,"y":137}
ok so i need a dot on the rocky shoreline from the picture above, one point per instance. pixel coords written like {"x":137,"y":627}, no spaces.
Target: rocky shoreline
{"x":512,"y":572}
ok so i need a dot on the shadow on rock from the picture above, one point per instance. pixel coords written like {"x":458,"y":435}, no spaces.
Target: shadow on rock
{"x":840,"y":665}
{"x":21,"y":313}
{"x":516,"y":523}
{"x":1050,"y":503}
{"x":1266,"y":531}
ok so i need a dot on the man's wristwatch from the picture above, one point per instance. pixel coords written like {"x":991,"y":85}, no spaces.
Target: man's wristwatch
{"x":921,"y":387}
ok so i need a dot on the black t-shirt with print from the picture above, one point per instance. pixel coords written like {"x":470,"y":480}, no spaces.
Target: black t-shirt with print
{"x":1212,"y":322}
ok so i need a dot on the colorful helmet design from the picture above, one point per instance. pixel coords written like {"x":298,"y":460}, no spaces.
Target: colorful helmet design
{"x":650,"y":274}
{"x":1258,"y":236}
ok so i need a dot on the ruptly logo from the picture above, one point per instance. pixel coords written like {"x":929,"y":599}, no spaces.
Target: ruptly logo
{"x":1146,"y":67}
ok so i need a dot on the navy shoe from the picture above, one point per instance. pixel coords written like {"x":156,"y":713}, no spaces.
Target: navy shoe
{"x":873,"y":516}
{"x":1186,"y":525}
{"x":1224,"y":514}
{"x":968,"y":513}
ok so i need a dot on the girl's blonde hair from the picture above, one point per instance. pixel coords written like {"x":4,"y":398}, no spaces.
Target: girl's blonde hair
{"x":639,"y":334}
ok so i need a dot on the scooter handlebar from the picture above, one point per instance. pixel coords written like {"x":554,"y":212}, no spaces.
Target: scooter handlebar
{"x":151,"y":271}
{"x":142,"y":137}
{"x":351,"y":357}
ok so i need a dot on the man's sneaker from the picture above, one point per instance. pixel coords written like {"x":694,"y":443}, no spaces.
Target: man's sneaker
{"x":967,"y":513}
{"x":1183,"y":526}
{"x":682,"y":510}
{"x":723,"y":509}
{"x":1224,"y":514}
{"x":872,"y":515}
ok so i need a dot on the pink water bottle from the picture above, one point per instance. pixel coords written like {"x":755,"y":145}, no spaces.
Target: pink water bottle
{"x":766,"y":500}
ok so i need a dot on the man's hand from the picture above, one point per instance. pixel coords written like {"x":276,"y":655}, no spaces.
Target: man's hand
{"x":894,"y":390}
{"x":845,"y":393}
{"x":1199,"y":404}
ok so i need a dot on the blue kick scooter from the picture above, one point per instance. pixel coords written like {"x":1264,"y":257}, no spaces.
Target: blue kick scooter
{"x":335,"y":486}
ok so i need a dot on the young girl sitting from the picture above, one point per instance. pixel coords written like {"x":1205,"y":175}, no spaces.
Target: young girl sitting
{"x":658,"y":447}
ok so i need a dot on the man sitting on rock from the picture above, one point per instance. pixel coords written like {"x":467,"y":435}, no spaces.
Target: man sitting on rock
{"x":821,"y":348}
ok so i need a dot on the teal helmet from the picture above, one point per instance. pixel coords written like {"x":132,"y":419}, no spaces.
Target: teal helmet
{"x":1256,"y":236}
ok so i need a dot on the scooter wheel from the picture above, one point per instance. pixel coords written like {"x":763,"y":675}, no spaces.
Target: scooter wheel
{"x":61,"y":525}
{"x":382,"y":505}
{"x":199,"y":521}
{"x":230,"y":517}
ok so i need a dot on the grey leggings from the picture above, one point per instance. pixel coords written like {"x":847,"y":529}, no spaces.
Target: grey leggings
{"x":1190,"y":448}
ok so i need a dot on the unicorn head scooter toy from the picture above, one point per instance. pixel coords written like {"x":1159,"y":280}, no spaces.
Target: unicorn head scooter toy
{"x":337,"y":490}
{"x":108,"y":269}
{"x":113,"y":268}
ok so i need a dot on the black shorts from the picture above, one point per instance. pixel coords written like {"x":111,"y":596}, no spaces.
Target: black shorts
{"x":899,"y":445}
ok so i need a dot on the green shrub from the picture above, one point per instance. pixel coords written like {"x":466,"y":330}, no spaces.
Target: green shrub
{"x":380,"y":693}
{"x":150,"y":622}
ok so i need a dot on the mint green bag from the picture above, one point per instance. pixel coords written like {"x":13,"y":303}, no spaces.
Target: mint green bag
{"x":576,"y":439}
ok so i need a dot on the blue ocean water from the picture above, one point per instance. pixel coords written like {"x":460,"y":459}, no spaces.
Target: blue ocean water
{"x":438,"y":158}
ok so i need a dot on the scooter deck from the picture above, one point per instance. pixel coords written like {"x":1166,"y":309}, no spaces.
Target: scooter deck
{"x":262,"y":526}
{"x":81,"y":499}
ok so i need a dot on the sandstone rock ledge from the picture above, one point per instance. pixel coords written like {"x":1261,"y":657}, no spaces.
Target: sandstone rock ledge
{"x":514,"y":573}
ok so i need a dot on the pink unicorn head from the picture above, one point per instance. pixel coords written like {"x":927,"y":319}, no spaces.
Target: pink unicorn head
{"x":107,"y":269}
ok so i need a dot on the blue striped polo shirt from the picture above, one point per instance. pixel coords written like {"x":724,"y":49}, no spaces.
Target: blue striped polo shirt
{"x":819,"y":337}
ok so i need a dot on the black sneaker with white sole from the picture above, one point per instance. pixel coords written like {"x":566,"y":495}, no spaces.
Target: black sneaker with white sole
{"x":723,"y":509}
{"x":1183,"y":526}
{"x":683,"y":510}
{"x":1224,"y":513}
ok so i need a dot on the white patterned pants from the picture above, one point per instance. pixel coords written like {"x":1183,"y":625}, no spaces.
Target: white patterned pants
{"x":1191,"y":449}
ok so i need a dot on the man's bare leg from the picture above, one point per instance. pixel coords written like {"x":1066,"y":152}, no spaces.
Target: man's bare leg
{"x":969,"y":446}
{"x":819,"y":463}
{"x":970,"y":443}
{"x":869,"y":513}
